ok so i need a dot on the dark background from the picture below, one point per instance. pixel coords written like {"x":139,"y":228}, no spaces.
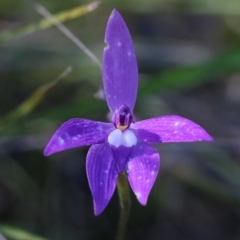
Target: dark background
{"x":188,"y":54}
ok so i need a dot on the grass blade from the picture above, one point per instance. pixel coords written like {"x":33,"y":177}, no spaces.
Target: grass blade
{"x":45,"y":23}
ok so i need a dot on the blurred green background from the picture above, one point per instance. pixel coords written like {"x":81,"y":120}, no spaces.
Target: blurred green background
{"x":189,"y":64}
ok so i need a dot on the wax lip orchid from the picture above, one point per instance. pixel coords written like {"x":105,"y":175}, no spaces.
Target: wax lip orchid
{"x":122,"y":145}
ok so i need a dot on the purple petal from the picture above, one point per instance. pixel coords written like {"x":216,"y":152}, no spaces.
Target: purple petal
{"x":142,"y":170}
{"x":171,"y":129}
{"x":102,"y":175}
{"x":120,"y":73}
{"x":147,"y":136}
{"x":121,"y":155}
{"x":78,"y":132}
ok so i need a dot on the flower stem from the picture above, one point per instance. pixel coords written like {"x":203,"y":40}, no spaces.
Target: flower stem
{"x":124,"y":199}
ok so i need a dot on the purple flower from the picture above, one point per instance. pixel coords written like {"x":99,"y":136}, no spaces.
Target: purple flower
{"x":122,"y":145}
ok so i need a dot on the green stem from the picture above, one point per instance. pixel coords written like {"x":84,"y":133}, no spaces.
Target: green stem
{"x":124,"y":199}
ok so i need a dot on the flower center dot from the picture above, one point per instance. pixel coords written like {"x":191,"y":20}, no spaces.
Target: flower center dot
{"x":122,"y":117}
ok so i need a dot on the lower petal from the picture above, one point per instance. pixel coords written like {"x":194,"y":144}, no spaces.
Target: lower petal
{"x":142,"y":169}
{"x":121,"y":155}
{"x":102,"y":175}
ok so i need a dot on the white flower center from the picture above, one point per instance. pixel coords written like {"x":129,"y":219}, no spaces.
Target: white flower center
{"x":126,"y":138}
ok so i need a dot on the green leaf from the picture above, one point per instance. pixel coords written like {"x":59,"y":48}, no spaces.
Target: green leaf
{"x":191,"y":77}
{"x":18,"y":234}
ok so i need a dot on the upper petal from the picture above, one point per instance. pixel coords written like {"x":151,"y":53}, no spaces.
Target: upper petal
{"x":171,"y":129}
{"x":142,"y":169}
{"x":120,"y":73}
{"x":77,"y":132}
{"x":102,"y":175}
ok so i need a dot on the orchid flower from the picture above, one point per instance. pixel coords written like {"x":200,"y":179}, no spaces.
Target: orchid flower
{"x":123,"y":144}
